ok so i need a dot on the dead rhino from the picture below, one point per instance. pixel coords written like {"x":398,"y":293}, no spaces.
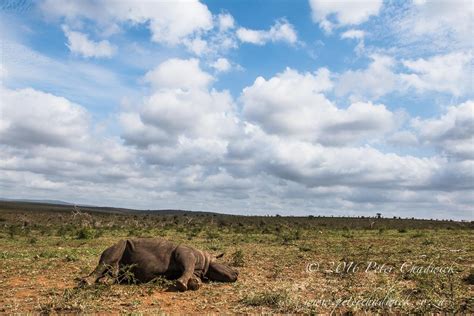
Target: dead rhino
{"x":148,"y":258}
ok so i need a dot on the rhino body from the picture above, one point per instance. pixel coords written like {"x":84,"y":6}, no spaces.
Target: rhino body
{"x":148,"y":258}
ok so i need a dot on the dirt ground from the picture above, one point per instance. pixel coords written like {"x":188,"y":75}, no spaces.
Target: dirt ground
{"x":290,"y":278}
{"x":291,"y":266}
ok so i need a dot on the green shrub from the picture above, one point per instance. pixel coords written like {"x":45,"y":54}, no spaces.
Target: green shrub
{"x":85,"y":233}
{"x":290,"y":235}
{"x":13,"y":231}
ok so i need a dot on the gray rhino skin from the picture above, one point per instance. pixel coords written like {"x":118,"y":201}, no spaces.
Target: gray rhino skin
{"x":148,"y":258}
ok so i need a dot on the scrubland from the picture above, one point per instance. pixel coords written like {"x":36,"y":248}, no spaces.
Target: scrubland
{"x":300,"y":265}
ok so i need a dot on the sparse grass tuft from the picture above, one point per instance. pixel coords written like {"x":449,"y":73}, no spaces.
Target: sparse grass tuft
{"x":238,"y":259}
{"x":273,"y":299}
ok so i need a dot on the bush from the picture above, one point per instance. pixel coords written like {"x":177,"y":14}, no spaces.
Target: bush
{"x":85,"y":233}
{"x":289,"y":236}
{"x":14,"y":230}
{"x":211,"y":234}
{"x":470,"y":278}
{"x":194,"y":232}
{"x":238,"y":259}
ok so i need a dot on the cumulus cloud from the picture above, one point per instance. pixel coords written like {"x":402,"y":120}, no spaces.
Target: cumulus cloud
{"x":48,"y":144}
{"x":35,"y":118}
{"x":178,"y":73}
{"x":344,"y":12}
{"x":373,"y":82}
{"x":315,"y":165}
{"x":193,"y":113}
{"x":281,"y":31}
{"x":80,"y":44}
{"x":204,"y":167}
{"x":450,"y":73}
{"x":221,"y":65}
{"x":181,"y":108}
{"x":291,"y":104}
{"x":403,"y":139}
{"x":225,"y":21}
{"x":169,"y":22}
{"x":197,"y":45}
{"x":452,"y":133}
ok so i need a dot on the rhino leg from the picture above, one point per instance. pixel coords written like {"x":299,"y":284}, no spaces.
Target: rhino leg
{"x":108,"y":264}
{"x":186,"y":260}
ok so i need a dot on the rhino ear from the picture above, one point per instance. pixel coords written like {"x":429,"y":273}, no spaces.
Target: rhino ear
{"x":220,"y":256}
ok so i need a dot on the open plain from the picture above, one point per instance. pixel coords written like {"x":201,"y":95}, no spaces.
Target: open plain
{"x":287,"y":264}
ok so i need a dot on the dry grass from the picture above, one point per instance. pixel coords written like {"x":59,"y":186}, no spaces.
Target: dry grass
{"x":38,"y":265}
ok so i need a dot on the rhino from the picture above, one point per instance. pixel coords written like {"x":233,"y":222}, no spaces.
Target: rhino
{"x":145,"y":259}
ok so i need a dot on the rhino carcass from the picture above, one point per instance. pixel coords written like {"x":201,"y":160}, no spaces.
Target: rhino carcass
{"x":147,"y":258}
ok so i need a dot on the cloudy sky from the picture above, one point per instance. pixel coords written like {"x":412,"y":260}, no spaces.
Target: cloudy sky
{"x":251,"y":107}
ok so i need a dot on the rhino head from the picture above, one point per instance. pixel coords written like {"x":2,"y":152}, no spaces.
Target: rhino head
{"x":221,"y":273}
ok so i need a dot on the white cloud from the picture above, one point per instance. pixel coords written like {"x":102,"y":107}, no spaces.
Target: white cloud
{"x":452,"y":133}
{"x":450,"y":73}
{"x":373,"y":82}
{"x":221,"y":65}
{"x":353,"y":34}
{"x":49,"y":143}
{"x":403,"y":139}
{"x":192,"y":113}
{"x":220,"y":40}
{"x":251,"y":36}
{"x":180,"y":96}
{"x":197,"y":45}
{"x":291,"y":104}
{"x":281,"y":31}
{"x":357,"y":35}
{"x":435,"y":25}
{"x":316,"y":165}
{"x":352,"y":12}
{"x":178,"y":73}
{"x":226,"y":21}
{"x":3,"y":73}
{"x":169,"y":22}
{"x":195,"y":154}
{"x":34,"y":118}
{"x":80,"y":44}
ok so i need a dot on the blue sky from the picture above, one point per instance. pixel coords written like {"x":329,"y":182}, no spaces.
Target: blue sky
{"x":262,"y":107}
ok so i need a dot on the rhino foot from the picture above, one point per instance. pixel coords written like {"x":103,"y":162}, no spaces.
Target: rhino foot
{"x":194,"y":284}
{"x":181,"y":286}
{"x":87,"y":281}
